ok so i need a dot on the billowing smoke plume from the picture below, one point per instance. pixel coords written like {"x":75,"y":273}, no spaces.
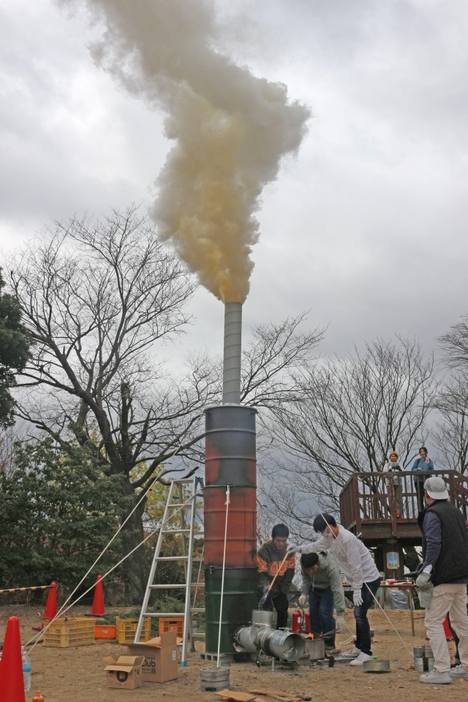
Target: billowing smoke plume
{"x":230,"y":130}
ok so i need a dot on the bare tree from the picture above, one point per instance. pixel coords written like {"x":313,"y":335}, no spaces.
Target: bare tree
{"x":352,"y":411}
{"x":455,"y":345}
{"x":452,"y":402}
{"x":97,"y":298}
{"x":451,"y":435}
{"x":270,"y":361}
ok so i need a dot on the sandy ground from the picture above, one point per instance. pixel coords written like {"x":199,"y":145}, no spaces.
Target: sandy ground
{"x":77,"y":674}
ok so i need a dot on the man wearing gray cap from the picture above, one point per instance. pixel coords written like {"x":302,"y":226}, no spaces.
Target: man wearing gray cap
{"x":445,"y":572}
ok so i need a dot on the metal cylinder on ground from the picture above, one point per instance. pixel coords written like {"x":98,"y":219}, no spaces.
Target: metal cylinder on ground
{"x":213,"y":679}
{"x":230,"y":459}
{"x":260,"y":636}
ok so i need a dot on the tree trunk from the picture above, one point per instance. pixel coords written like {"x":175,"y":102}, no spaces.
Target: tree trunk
{"x":137,"y":565}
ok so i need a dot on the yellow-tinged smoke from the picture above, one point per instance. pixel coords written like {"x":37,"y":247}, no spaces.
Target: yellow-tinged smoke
{"x":230,"y":130}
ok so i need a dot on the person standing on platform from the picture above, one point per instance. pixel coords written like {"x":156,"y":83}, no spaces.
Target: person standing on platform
{"x":358,"y":566}
{"x":444,"y":572}
{"x":420,"y":466}
{"x":393,"y":466}
{"x":276,"y":563}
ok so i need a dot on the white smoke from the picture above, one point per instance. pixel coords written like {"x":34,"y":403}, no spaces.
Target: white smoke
{"x":230,"y":130}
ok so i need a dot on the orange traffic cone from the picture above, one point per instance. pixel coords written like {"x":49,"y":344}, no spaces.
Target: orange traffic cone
{"x":50,"y":611}
{"x":11,"y":666}
{"x":98,"y":609}
{"x":447,"y":630}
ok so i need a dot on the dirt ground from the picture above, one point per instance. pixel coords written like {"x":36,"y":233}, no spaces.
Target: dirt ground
{"x":77,"y":674}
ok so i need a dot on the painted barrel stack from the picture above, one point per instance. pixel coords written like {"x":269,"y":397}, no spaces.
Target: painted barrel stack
{"x":230,"y":460}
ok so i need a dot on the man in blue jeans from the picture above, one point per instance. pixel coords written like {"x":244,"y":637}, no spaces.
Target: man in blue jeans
{"x":323,"y":592}
{"x":358,"y":566}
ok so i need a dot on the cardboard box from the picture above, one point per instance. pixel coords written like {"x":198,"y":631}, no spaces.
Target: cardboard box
{"x":160,"y":657}
{"x":124,"y":673}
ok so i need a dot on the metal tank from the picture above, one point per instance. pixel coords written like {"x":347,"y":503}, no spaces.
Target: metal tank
{"x":230,"y":460}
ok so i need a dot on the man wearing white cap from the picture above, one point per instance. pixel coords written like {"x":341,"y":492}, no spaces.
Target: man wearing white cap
{"x":445,"y":571}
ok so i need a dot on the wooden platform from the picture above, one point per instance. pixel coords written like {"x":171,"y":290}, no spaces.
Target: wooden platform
{"x":384,"y":511}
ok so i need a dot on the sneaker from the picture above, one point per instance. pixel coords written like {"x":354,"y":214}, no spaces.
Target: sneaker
{"x":459,"y":671}
{"x":362,"y":658}
{"x":435,"y":678}
{"x":351,"y":653}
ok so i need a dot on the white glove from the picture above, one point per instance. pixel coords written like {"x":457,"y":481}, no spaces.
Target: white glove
{"x":303,"y":601}
{"x":357,"y":598}
{"x":292,"y":548}
{"x":340,"y":624}
{"x":423,"y":581}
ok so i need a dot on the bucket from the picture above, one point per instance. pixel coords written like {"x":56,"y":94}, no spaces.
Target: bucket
{"x":261,"y":617}
{"x":214,"y":679}
{"x":315,"y":649}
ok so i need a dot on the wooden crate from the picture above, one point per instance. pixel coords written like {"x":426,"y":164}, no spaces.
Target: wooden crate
{"x":171,"y":624}
{"x":64,"y":632}
{"x":126,"y":630}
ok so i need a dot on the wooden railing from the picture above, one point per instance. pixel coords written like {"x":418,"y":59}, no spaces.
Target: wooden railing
{"x":370,"y":498}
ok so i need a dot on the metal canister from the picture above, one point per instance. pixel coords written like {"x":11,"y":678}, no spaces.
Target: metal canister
{"x":428,"y":652}
{"x":419,"y":664}
{"x":212,"y":679}
{"x":430,"y":664}
{"x":418,"y":651}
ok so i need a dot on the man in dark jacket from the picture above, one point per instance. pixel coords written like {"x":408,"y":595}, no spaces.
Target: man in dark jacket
{"x":445,"y":571}
{"x":276,"y":563}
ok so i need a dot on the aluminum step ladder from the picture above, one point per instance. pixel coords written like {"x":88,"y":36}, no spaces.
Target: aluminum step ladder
{"x":179,"y":519}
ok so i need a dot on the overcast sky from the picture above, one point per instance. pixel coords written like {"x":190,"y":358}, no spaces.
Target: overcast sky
{"x":366,"y":227}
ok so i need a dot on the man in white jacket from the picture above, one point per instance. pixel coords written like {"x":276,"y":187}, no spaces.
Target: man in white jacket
{"x":359,"y":568}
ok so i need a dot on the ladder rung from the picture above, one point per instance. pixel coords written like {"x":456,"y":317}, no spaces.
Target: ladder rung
{"x":164,"y":587}
{"x":198,"y":636}
{"x":198,"y":584}
{"x":175,"y":531}
{"x":173,"y":505}
{"x":172,"y":558}
{"x":197,"y":610}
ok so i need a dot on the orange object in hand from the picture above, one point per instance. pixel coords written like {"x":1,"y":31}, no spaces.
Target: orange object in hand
{"x":38,"y":697}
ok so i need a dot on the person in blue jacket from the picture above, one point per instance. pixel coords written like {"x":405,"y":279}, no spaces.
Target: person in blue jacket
{"x":421,"y":465}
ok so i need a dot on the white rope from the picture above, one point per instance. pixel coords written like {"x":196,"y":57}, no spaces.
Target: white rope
{"x":143,"y":495}
{"x":36,"y":638}
{"x":228,"y":500}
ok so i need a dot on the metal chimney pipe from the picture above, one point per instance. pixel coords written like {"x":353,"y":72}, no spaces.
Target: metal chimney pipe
{"x":232,"y":353}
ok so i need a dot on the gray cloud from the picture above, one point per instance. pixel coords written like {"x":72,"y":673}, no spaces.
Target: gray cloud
{"x":366,"y":227}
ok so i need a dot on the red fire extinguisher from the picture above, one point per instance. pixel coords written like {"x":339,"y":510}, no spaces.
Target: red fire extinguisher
{"x":307,"y":622}
{"x":296,"y":620}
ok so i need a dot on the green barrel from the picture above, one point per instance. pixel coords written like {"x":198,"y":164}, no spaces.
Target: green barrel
{"x":239,"y":600}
